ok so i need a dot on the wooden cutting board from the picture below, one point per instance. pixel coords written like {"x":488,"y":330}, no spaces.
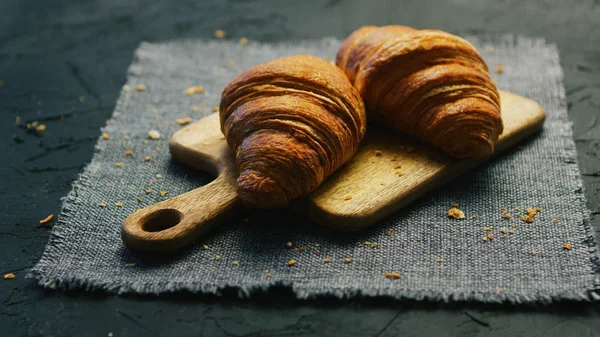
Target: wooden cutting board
{"x":388,"y":172}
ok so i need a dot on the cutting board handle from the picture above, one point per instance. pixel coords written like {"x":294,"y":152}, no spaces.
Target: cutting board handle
{"x":182,"y":220}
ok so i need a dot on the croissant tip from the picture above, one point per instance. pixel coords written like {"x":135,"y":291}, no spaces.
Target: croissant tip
{"x":258,"y":190}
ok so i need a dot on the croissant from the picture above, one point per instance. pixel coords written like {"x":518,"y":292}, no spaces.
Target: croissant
{"x":291,"y":122}
{"x":429,"y":84}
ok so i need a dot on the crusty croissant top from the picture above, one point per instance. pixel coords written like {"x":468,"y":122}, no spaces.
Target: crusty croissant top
{"x":430,"y":84}
{"x":291,"y":122}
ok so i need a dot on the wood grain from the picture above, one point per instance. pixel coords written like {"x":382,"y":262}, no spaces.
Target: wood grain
{"x":388,"y":172}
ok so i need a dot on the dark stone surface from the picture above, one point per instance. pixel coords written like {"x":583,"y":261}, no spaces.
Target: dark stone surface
{"x":53,"y":52}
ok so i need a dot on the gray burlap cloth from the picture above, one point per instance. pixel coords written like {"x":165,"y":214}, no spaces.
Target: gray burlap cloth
{"x":438,"y":258}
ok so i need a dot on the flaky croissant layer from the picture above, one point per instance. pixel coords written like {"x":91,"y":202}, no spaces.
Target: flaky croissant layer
{"x":291,"y":122}
{"x":430,"y":84}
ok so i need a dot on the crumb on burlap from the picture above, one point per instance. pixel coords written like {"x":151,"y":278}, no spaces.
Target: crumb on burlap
{"x":215,"y":109}
{"x":347,"y":260}
{"x":119,"y":164}
{"x":184,"y":121}
{"x":195,"y":89}
{"x":490,"y":236}
{"x":503,"y":230}
{"x":219,"y":33}
{"x":499,"y":68}
{"x":148,"y":191}
{"x":130,"y":265}
{"x":163,"y":193}
{"x":555,"y":220}
{"x":119,"y":204}
{"x":147,"y":158}
{"x":392,"y":275}
{"x":244,"y":41}
{"x":456,"y":213}
{"x":102,"y":205}
{"x":9,"y":276}
{"x":289,"y":244}
{"x":218,"y":257}
{"x":235,"y":262}
{"x":531,"y":212}
{"x":141,"y":87}
{"x":154,"y":134}
{"x":291,"y":262}
{"x":40,"y":128}
{"x":534,"y":252}
{"x":127,"y":153}
{"x":105,"y":135}
{"x":567,"y":246}
{"x":139,"y":199}
{"x":327,"y":260}
{"x":47,"y":219}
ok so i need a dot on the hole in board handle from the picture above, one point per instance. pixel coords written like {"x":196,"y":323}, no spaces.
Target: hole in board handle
{"x":161,"y":220}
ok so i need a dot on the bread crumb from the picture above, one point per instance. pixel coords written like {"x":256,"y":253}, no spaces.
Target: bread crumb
{"x":511,"y":231}
{"x":148,"y":191}
{"x":40,"y":128}
{"x":147,"y":158}
{"x":126,"y":88}
{"x":533,"y":252}
{"x":490,"y":236}
{"x":163,"y":193}
{"x":102,"y":205}
{"x":153,"y":134}
{"x":205,"y":247}
{"x":567,"y":246}
{"x":302,"y":249}
{"x":531,"y":212}
{"x":219,"y":34}
{"x":373,"y":244}
{"x":119,"y":164}
{"x":392,"y":275}
{"x":439,"y":260}
{"x":347,"y":260}
{"x":235,"y":262}
{"x":130,"y":265}
{"x":488,"y":228}
{"x":215,"y":109}
{"x":157,"y":148}
{"x":555,"y":220}
{"x":390,"y":231}
{"x":218,"y":257}
{"x":184,"y":121}
{"x":327,"y":260}
{"x":9,"y":276}
{"x":503,"y":230}
{"x":456,"y":213}
{"x":119,"y":204}
{"x":127,"y":153}
{"x":472,"y":217}
{"x":47,"y":219}
{"x":454,"y":204}
{"x":489,"y":49}
{"x":140,"y":87}
{"x":105,"y":136}
{"x":484,"y":238}
{"x":195,"y":89}
{"x":499,"y":68}
{"x":348,"y":197}
{"x":506,"y":215}
{"x":291,"y":262}
{"x":289,"y":244}
{"x":139,"y":199}
{"x":377,"y":153}
{"x":243,"y":41}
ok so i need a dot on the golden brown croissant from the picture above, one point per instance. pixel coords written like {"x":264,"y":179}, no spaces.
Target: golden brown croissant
{"x":429,"y":84}
{"x":290,"y":122}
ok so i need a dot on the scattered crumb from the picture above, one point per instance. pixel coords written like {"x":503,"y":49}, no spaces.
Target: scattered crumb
{"x":377,"y":153}
{"x":373,"y":244}
{"x":390,"y":231}
{"x":488,"y":228}
{"x":489,"y":49}
{"x":140,"y":87}
{"x":126,"y":88}
{"x":119,"y":164}
{"x":235,"y":262}
{"x":47,"y":219}
{"x":456,"y":213}
{"x":105,"y":136}
{"x":439,"y":260}
{"x":318,"y":252}
{"x":159,"y":176}
{"x":219,"y":34}
{"x":359,"y":244}
{"x":511,"y":231}
{"x":531,"y":212}
{"x":40,"y":128}
{"x":243,"y":41}
{"x":268,"y":275}
{"x":506,"y":215}
{"x":218,"y":257}
{"x":130,"y":265}
{"x":484,"y":238}
{"x":347,"y":260}
{"x":205,"y":246}
{"x":503,"y":230}
{"x":301,"y":249}
{"x":158,"y":147}
{"x":567,"y":246}
{"x":472,"y":217}
{"x":454,"y":204}
{"x":392,"y":275}
{"x":195,"y":89}
{"x":147,"y":158}
{"x":153,"y":134}
{"x":128,"y":153}
{"x":533,"y":252}
{"x":126,"y":137}
{"x":9,"y":276}
{"x":348,"y":197}
{"x":215,"y":109}
{"x":289,"y":244}
{"x":555,"y":220}
{"x":499,"y":68}
{"x":148,"y":191}
{"x":327,"y":260}
{"x":163,"y":193}
{"x":490,"y":236}
{"x":291,"y":262}
{"x":184,"y":121}
{"x":500,"y":290}
{"x":139,"y":199}
{"x":102,"y":205}
{"x":119,"y":204}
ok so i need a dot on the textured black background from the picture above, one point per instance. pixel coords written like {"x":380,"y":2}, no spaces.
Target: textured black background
{"x":53,"y":52}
